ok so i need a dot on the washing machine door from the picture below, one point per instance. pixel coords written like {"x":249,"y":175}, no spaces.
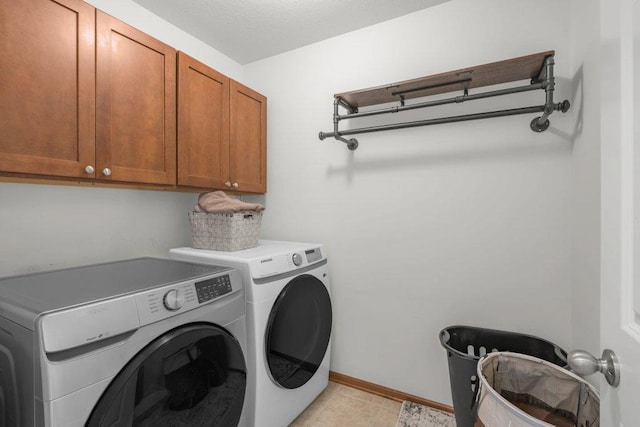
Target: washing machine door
{"x":194,"y":375}
{"x":298,"y":331}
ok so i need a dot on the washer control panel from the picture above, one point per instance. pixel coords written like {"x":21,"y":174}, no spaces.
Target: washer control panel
{"x":167,"y":301}
{"x":213,"y":288}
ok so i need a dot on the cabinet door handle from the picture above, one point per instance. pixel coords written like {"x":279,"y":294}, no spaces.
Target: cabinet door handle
{"x":106,"y":171}
{"x":235,"y":185}
{"x":227,"y":184}
{"x":89,"y":169}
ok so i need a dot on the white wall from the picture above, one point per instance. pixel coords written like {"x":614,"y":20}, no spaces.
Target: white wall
{"x":585,"y":55}
{"x":467,"y":223}
{"x":51,"y":226}
{"x":46,"y":226}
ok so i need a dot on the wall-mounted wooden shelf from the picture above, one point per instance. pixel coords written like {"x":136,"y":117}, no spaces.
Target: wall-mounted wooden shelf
{"x":536,"y":68}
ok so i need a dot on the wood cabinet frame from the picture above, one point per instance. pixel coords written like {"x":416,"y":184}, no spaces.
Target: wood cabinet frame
{"x":47,"y":88}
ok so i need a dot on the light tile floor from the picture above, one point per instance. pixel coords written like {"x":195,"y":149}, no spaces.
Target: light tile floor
{"x":339,"y":405}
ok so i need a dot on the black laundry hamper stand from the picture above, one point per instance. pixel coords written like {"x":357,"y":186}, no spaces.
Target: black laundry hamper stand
{"x":465,"y":345}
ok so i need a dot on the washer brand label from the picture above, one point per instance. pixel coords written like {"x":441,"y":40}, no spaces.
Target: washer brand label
{"x":98,"y":337}
{"x":262,"y":261}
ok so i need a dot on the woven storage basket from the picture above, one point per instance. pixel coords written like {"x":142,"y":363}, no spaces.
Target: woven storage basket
{"x":225,"y":231}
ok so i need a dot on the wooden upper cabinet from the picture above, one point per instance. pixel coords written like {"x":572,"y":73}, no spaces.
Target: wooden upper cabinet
{"x":222,"y":131}
{"x":84,"y":95}
{"x":135,"y":105}
{"x":203,"y":125}
{"x":248,"y":139}
{"x":47,"y":87}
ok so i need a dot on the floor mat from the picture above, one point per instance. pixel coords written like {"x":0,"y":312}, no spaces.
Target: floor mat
{"x":416,"y":415}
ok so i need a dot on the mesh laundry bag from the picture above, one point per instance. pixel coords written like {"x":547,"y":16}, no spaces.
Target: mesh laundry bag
{"x":518,"y":390}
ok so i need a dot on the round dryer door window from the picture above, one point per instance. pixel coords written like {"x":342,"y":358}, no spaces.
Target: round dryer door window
{"x":191,"y":376}
{"x":298,"y":331}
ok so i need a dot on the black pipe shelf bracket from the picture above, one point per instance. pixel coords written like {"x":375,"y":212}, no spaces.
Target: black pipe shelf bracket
{"x":537,"y":68}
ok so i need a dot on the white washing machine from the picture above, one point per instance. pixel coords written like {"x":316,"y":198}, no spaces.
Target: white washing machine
{"x":147,"y":342}
{"x":289,"y":321}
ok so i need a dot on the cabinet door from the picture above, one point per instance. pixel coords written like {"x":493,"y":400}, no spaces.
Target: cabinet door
{"x":203,"y":125}
{"x":135,"y":109}
{"x":47,"y":87}
{"x":248,"y":139}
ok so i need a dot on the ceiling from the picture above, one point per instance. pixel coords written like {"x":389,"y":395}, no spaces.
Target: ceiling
{"x":249,"y":30}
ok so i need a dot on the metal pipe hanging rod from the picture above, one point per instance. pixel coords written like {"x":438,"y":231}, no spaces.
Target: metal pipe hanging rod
{"x":454,"y":100}
{"x":352,"y":144}
{"x":540,"y":124}
{"x":462,"y":118}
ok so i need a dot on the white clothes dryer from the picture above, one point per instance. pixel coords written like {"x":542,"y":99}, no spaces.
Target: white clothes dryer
{"x":289,"y":321}
{"x":148,"y":341}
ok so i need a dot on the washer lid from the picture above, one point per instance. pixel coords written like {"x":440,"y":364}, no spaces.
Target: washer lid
{"x":24,"y":298}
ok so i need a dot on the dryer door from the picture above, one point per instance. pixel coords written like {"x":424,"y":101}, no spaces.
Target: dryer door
{"x":194,"y":376}
{"x":298,"y":331}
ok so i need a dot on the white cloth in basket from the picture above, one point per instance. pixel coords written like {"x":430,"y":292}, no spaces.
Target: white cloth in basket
{"x":220,"y":202}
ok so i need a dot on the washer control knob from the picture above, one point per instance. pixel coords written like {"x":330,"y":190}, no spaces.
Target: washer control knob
{"x":173,"y":300}
{"x":297,"y":259}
